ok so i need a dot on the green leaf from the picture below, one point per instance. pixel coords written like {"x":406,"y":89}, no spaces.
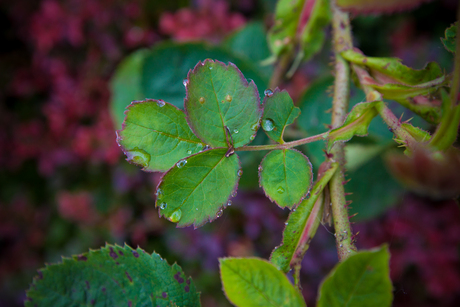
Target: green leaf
{"x":197,"y":189}
{"x":313,"y":35}
{"x":370,"y":200}
{"x":219,"y":97}
{"x":356,"y":123}
{"x":447,"y":131}
{"x":301,"y":226}
{"x":250,"y":43}
{"x":125,"y":85}
{"x":285,"y":175}
{"x":377,"y":6}
{"x":279,"y":112}
{"x":112,"y":276}
{"x":252,"y":282}
{"x":299,"y":21}
{"x":362,"y":280}
{"x":155,"y":135}
{"x":166,"y":65}
{"x":450,"y":37}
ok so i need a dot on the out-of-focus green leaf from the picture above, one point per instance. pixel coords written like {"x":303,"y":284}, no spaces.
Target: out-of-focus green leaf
{"x":362,"y":280}
{"x":166,"y":66}
{"x":220,"y":104}
{"x":112,"y":276}
{"x":450,"y":37}
{"x":250,"y":43}
{"x":155,"y":135}
{"x":279,"y":112}
{"x":197,"y":189}
{"x":377,"y":6}
{"x":447,"y":131}
{"x":253,"y":282}
{"x":286,"y":176}
{"x":299,"y":22}
{"x":356,"y":123}
{"x":301,"y":226}
{"x":125,"y":85}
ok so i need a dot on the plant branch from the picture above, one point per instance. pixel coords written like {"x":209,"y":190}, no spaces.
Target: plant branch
{"x":287,"y":145}
{"x":342,"y":41}
{"x":456,"y":75}
{"x":280,"y":70}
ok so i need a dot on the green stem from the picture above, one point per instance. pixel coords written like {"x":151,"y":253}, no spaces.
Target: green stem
{"x":280,"y":70}
{"x":342,"y":41}
{"x":456,"y":76}
{"x":287,"y":145}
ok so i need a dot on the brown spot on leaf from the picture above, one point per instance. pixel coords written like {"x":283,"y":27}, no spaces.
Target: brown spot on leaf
{"x":180,"y":280}
{"x":129,"y":276}
{"x":136,"y":254}
{"x":188,"y":281}
{"x":82,"y":258}
{"x":121,"y":253}
{"x":40,"y":274}
{"x":113,"y":254}
{"x":130,"y":303}
{"x":164,"y":295}
{"x":186,"y":288}
{"x":103,"y":289}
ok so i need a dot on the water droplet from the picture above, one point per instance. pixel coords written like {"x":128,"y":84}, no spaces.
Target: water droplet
{"x":240,"y":172}
{"x":206,"y":147}
{"x":293,"y":210}
{"x":228,"y":98}
{"x":175,"y":216}
{"x":268,"y":92}
{"x":159,"y":193}
{"x":268,"y":124}
{"x":235,"y":131}
{"x":286,"y":223}
{"x":163,"y":206}
{"x":181,"y":163}
{"x":255,"y":126}
{"x":251,"y":138}
{"x":189,"y":152}
{"x":308,"y":195}
{"x":280,"y":190}
{"x":160,"y":103}
{"x":341,"y":245}
{"x":185,"y":82}
{"x":210,"y":67}
{"x":229,"y":203}
{"x":201,"y":100}
{"x":219,"y":213}
{"x":196,"y":209}
{"x":260,"y":168}
{"x":138,"y":156}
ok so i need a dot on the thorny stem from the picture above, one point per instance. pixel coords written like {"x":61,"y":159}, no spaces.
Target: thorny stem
{"x":342,"y":41}
{"x":456,"y":76}
{"x":287,"y":145}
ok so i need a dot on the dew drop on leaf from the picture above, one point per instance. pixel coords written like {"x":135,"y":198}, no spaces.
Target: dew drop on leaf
{"x":240,"y":172}
{"x":189,"y":152}
{"x":159,"y":193}
{"x":201,"y":100}
{"x":229,"y":203}
{"x":160,"y":103}
{"x":255,"y":127}
{"x":286,"y":223}
{"x":228,"y":98}
{"x":235,"y":131}
{"x":175,"y":216}
{"x":138,"y":157}
{"x":200,"y":146}
{"x":268,"y":92}
{"x":268,"y":124}
{"x":219,"y":213}
{"x":181,"y":163}
{"x":163,"y":206}
{"x":206,"y":147}
{"x":185,"y":82}
{"x":280,"y":190}
{"x":252,"y":137}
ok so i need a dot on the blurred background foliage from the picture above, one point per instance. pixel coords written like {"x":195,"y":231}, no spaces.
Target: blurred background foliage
{"x":69,"y":68}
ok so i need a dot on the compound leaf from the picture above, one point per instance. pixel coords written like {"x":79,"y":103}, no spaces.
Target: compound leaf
{"x":155,"y":135}
{"x":219,"y":97}
{"x":112,"y":276}
{"x":286,"y":176}
{"x":301,"y":226}
{"x":252,"y":282}
{"x":377,"y":6}
{"x":361,"y":280}
{"x":450,"y":37}
{"x":196,"y":190}
{"x":356,"y":123}
{"x":279,"y":112}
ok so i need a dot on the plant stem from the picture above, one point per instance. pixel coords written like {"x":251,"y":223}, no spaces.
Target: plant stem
{"x":287,"y":145}
{"x":456,"y":75}
{"x":280,"y":70}
{"x":342,"y":41}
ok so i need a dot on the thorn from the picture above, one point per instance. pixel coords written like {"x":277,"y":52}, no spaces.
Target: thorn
{"x":345,"y":182}
{"x":401,"y":117}
{"x":349,"y":193}
{"x":353,"y":215}
{"x":407,"y":121}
